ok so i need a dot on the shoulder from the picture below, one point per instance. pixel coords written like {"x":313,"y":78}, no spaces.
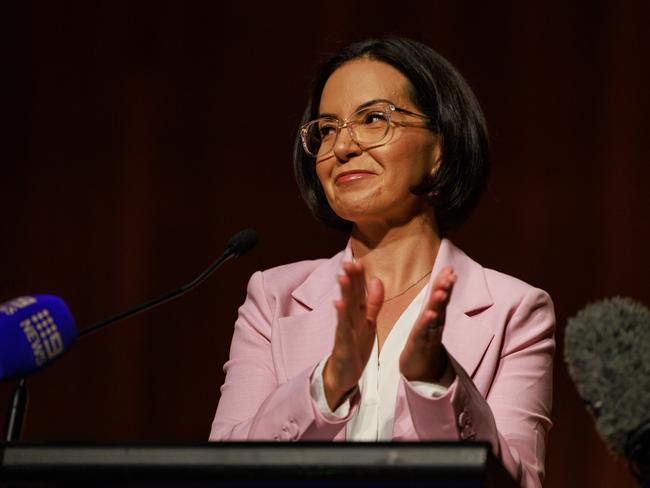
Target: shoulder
{"x":487,"y":289}
{"x":289,"y":276}
{"x":523,"y":313}
{"x":527,"y":310}
{"x":502,"y":285}
{"x":302,"y":282}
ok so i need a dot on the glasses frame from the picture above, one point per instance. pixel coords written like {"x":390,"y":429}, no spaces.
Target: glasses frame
{"x":346,"y":124}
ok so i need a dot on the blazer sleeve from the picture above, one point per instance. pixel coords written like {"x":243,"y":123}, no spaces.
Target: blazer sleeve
{"x":515,"y":415}
{"x":254,"y":405}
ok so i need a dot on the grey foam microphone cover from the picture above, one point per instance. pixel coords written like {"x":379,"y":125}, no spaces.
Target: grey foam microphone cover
{"x":607,"y":350}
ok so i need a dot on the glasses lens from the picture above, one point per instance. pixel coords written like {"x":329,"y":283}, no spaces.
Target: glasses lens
{"x":319,"y":135}
{"x":370,"y":125}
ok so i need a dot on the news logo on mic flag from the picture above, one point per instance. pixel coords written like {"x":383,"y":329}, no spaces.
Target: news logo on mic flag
{"x":34,"y":330}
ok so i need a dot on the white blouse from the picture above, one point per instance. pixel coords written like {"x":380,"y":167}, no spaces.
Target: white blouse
{"x":373,"y":420}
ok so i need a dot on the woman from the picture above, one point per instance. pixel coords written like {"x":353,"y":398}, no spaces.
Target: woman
{"x":401,"y":335}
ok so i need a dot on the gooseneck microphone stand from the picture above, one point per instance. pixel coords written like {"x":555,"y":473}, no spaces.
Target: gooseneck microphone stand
{"x":239,"y":244}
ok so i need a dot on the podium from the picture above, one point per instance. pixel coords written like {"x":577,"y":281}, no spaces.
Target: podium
{"x":253,"y":464}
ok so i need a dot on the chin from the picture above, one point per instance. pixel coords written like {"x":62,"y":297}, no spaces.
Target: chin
{"x":356,"y":204}
{"x":361,"y":213}
{"x":390,"y":213}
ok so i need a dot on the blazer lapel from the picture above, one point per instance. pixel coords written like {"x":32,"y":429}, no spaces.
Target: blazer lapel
{"x":308,"y":337}
{"x":465,"y":336}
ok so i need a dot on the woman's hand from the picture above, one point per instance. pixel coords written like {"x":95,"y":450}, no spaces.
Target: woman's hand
{"x":424,"y":358}
{"x":355,"y":332}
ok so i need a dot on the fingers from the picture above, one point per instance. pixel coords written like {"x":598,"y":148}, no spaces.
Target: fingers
{"x":375,"y":299}
{"x":441,"y":290}
{"x":429,"y":325}
{"x":357,"y":280}
{"x":346,"y":298}
{"x":433,"y":323}
{"x":352,"y":306}
{"x":344,"y":326}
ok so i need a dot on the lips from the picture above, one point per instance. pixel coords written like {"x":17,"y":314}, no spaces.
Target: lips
{"x":352,"y":175}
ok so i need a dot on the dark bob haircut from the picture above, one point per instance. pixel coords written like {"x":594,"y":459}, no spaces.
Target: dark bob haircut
{"x":441,"y":93}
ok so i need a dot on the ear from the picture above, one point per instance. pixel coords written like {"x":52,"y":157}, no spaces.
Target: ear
{"x":436,"y":156}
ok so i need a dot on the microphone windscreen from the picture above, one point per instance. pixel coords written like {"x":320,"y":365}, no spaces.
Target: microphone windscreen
{"x":34,"y":330}
{"x":607,"y":350}
{"x":242,"y":242}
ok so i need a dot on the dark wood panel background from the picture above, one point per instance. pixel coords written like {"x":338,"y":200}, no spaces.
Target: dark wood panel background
{"x":138,"y":136}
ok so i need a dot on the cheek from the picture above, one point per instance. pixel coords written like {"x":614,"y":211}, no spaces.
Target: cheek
{"x":404,"y":165}
{"x":320,"y":173}
{"x":415,"y":159}
{"x":323,"y":172}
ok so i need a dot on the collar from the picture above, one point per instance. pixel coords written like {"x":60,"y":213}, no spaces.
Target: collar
{"x":470,"y":295}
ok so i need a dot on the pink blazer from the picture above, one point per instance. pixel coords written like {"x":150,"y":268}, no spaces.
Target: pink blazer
{"x":498,"y":333}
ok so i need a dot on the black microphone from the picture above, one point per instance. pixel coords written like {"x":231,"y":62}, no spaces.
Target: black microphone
{"x":242,"y":242}
{"x":238,"y":245}
{"x":607,"y":350}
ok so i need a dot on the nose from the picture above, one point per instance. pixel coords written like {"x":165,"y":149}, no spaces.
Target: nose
{"x":345,"y":146}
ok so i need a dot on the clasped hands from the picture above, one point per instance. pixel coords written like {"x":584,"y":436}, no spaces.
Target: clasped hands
{"x":423,"y":358}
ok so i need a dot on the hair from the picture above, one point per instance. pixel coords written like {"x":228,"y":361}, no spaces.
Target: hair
{"x":439,"y":91}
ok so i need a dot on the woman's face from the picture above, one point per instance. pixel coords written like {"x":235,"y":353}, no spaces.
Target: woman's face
{"x":374,"y":184}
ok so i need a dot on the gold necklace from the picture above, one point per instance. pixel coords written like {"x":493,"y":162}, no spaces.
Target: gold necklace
{"x":407,"y":289}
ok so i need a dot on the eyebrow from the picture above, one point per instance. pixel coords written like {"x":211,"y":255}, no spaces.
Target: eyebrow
{"x":363,"y":105}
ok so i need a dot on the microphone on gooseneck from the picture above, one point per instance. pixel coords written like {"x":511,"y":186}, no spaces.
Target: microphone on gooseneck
{"x":242,"y":242}
{"x":37,"y":329}
{"x":607,"y":350}
{"x":238,"y":245}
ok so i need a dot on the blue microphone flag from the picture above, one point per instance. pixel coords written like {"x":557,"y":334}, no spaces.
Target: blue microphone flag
{"x":34,"y":331}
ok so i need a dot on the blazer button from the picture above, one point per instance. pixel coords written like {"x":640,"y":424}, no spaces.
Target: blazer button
{"x":464,"y":419}
{"x":467,"y":434}
{"x":285,"y":435}
{"x":293,"y":429}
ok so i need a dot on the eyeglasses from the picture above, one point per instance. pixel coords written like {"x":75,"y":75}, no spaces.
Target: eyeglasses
{"x":367,"y":126}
